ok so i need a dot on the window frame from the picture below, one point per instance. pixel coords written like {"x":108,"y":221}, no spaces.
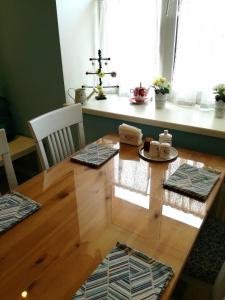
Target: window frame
{"x":168,"y":35}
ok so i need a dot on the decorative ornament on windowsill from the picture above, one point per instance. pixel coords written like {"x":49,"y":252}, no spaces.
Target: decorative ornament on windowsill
{"x":101,"y":74}
{"x":219,"y":91}
{"x":162,"y":89}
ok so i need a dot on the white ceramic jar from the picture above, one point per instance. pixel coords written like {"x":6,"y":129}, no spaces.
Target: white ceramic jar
{"x":154,"y":149}
{"x":165,"y":137}
{"x":164,"y":150}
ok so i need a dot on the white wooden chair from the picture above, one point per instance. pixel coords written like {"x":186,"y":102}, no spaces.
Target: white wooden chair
{"x":7,"y":162}
{"x":55,"y":128}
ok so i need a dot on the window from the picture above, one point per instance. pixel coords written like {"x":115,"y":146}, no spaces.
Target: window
{"x":133,"y":50}
{"x":183,"y":40}
{"x":199,"y":63}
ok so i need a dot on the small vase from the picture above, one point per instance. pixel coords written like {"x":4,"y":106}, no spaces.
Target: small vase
{"x":160,"y":100}
{"x":219,"y":109}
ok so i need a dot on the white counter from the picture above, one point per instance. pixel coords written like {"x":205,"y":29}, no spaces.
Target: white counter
{"x":189,"y":119}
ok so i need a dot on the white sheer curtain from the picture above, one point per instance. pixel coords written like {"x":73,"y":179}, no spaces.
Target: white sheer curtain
{"x":129,"y":32}
{"x":199,"y":60}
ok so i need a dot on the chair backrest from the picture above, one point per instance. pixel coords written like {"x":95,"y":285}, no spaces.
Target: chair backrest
{"x":55,"y":128}
{"x":7,"y":162}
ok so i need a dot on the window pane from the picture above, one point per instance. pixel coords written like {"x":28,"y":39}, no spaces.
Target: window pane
{"x":131,"y":40}
{"x":199,"y":63}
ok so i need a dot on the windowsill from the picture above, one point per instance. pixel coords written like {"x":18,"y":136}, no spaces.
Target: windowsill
{"x":188,"y":119}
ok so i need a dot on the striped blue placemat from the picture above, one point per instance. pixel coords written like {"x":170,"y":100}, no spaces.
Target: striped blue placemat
{"x":124,"y":274}
{"x":95,"y":155}
{"x":193,"y":181}
{"x":15,"y":207}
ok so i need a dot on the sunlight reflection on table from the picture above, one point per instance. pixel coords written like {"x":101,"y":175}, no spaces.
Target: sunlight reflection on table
{"x":181,"y":216}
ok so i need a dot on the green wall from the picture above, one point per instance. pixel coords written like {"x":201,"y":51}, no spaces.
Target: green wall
{"x":30,"y":59}
{"x":96,"y":127}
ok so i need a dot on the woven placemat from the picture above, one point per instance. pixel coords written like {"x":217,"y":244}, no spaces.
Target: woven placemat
{"x":15,"y":207}
{"x":126,"y":273}
{"x":94,"y":155}
{"x":192,"y":181}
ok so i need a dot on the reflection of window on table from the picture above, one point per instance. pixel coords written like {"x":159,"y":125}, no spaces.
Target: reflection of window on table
{"x":132,"y":181}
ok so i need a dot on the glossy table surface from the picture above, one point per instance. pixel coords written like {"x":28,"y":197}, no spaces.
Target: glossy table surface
{"x":86,"y":211}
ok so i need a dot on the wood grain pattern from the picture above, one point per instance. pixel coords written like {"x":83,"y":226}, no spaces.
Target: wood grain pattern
{"x":86,"y":211}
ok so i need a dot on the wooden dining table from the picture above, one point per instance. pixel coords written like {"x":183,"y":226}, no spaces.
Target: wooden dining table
{"x":85,"y":211}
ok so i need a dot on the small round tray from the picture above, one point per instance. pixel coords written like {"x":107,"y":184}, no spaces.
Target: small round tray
{"x":146,"y":155}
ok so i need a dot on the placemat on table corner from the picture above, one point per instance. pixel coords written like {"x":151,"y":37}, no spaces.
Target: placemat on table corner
{"x":126,"y":273}
{"x":193,"y":181}
{"x":94,"y":155}
{"x":15,"y":207}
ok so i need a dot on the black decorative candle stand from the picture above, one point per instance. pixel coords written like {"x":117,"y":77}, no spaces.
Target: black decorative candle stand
{"x":100,"y":73}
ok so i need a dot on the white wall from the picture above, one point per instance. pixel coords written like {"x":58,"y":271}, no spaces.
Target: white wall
{"x":77,"y":29}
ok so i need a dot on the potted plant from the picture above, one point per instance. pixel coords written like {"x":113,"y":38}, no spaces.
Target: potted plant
{"x":162,"y":89}
{"x":219,"y":91}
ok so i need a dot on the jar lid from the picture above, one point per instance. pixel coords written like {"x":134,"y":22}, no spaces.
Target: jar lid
{"x":154,"y":143}
{"x":166,"y":145}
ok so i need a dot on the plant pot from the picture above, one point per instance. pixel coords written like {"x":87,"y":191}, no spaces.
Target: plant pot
{"x":219,"y":109}
{"x":160,"y":100}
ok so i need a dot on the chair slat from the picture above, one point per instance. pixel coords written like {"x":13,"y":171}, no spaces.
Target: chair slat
{"x":59,"y":146}
{"x":66,"y":140}
{"x":56,"y":150}
{"x":62,"y":141}
{"x":81,"y":134}
{"x":52,"y":150}
{"x":72,"y":148}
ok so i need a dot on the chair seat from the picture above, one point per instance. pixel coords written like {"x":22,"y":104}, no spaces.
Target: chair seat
{"x":208,"y":253}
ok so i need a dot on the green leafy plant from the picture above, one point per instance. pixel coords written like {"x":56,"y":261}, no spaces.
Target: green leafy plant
{"x":219,"y":91}
{"x":161,"y":85}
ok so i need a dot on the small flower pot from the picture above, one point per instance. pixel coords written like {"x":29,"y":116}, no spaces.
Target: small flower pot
{"x":160,"y":100}
{"x":219,"y":109}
